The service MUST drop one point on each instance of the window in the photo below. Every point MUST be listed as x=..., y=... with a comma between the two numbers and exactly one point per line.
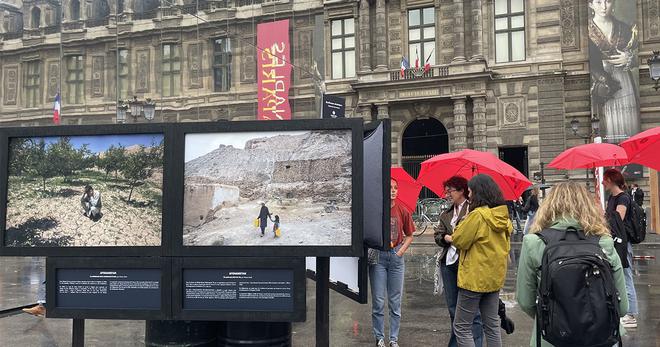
x=75, y=10
x=171, y=70
x=421, y=36
x=36, y=17
x=32, y=84
x=509, y=30
x=221, y=65
x=122, y=74
x=75, y=79
x=343, y=48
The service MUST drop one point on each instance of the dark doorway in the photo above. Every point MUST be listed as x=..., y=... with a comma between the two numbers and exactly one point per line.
x=422, y=139
x=516, y=157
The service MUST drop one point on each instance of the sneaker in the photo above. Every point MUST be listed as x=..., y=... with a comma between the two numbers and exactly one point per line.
x=394, y=344
x=39, y=310
x=629, y=321
x=380, y=343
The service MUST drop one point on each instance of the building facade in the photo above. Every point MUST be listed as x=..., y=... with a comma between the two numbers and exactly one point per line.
x=507, y=76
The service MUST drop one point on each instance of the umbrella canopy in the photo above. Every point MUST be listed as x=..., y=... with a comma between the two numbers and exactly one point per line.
x=590, y=156
x=408, y=188
x=644, y=148
x=469, y=163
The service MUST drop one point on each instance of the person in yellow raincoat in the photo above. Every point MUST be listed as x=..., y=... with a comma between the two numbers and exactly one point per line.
x=482, y=238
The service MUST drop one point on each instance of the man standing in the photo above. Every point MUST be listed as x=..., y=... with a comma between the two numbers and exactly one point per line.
x=91, y=203
x=386, y=271
x=264, y=214
x=637, y=194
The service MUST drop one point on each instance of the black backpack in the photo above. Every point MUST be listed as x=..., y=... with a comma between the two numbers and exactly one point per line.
x=577, y=301
x=636, y=229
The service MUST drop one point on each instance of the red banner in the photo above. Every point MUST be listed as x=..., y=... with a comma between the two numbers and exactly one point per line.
x=274, y=70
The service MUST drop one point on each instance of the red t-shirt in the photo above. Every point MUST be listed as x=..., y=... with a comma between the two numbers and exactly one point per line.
x=401, y=223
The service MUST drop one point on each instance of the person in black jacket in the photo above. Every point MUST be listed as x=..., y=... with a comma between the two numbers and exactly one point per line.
x=531, y=205
x=264, y=215
x=637, y=194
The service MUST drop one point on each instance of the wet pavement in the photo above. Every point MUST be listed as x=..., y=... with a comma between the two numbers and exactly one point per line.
x=425, y=320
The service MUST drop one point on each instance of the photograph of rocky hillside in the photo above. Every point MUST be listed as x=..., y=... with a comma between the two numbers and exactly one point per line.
x=304, y=178
x=85, y=191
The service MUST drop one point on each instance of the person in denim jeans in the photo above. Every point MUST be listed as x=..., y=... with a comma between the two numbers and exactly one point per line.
x=386, y=271
x=456, y=191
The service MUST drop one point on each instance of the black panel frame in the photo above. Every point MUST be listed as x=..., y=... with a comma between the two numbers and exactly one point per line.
x=355, y=125
x=362, y=295
x=162, y=263
x=90, y=130
x=387, y=164
x=297, y=264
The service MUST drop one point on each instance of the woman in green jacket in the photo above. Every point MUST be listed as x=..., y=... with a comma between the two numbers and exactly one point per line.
x=569, y=204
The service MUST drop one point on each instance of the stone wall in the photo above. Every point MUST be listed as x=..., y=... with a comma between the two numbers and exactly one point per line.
x=202, y=200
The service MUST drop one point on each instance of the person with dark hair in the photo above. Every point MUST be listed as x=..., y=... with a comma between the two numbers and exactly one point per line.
x=263, y=217
x=483, y=241
x=531, y=205
x=617, y=213
x=456, y=191
x=91, y=203
x=387, y=269
x=637, y=194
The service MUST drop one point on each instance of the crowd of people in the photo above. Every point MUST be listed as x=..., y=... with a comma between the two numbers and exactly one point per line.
x=574, y=276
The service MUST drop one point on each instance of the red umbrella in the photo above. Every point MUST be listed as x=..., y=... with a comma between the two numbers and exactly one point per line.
x=469, y=163
x=590, y=156
x=408, y=188
x=644, y=148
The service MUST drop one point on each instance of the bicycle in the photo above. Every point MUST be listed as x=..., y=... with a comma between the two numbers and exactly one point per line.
x=428, y=212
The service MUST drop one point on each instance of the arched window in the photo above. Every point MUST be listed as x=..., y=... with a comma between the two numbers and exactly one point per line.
x=75, y=9
x=36, y=18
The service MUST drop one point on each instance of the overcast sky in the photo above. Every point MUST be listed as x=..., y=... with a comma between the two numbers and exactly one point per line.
x=198, y=145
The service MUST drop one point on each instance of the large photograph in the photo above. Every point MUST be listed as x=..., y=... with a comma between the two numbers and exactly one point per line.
x=614, y=67
x=85, y=191
x=268, y=188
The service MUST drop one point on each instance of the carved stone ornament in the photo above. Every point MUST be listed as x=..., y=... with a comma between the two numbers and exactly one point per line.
x=570, y=31
x=512, y=112
x=422, y=108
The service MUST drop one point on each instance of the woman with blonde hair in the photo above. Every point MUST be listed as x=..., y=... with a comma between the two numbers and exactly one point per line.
x=569, y=205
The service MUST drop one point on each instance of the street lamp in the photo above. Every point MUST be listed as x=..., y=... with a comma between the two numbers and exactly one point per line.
x=149, y=109
x=595, y=131
x=121, y=111
x=654, y=69
x=137, y=107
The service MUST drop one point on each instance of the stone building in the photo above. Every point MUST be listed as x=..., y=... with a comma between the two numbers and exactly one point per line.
x=506, y=76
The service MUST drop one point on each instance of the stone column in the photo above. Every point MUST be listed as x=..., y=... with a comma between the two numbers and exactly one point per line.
x=2, y=22
x=460, y=124
x=365, y=37
x=477, y=31
x=381, y=36
x=383, y=111
x=479, y=121
x=363, y=111
x=459, y=32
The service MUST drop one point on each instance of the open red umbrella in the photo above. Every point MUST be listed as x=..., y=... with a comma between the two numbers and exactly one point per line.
x=644, y=148
x=589, y=156
x=408, y=188
x=469, y=163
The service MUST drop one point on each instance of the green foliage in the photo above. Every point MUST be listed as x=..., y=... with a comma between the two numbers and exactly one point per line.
x=140, y=165
x=112, y=160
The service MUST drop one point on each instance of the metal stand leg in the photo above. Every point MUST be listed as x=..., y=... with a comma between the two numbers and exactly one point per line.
x=322, y=302
x=78, y=334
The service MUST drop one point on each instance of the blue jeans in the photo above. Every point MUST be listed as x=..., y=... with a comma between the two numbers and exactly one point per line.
x=630, y=285
x=529, y=222
x=386, y=275
x=450, y=281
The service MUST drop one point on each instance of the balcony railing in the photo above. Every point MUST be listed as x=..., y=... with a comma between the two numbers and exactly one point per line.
x=77, y=25
x=151, y=14
x=416, y=74
x=13, y=35
x=97, y=22
x=169, y=12
x=193, y=8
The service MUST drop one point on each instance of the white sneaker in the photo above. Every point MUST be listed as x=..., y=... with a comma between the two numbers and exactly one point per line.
x=380, y=343
x=394, y=344
x=629, y=321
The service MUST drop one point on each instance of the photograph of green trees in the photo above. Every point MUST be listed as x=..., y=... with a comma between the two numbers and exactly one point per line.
x=85, y=191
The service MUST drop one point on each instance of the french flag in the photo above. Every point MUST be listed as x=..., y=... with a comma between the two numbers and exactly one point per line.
x=56, y=109
x=404, y=65
x=427, y=65
x=416, y=59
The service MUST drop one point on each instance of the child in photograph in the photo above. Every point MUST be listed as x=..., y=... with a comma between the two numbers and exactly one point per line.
x=276, y=225
x=91, y=203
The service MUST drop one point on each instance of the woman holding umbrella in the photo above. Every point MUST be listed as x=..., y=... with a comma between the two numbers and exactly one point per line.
x=483, y=241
